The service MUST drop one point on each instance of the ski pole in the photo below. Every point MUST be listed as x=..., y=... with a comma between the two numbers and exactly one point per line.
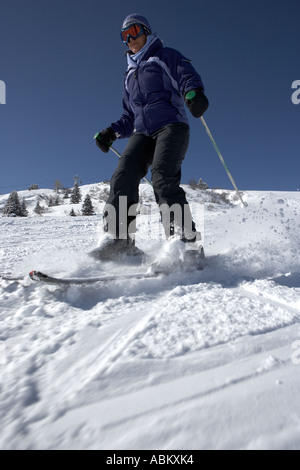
x=190, y=95
x=119, y=155
x=222, y=160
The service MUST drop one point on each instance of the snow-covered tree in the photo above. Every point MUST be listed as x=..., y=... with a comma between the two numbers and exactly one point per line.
x=58, y=186
x=67, y=193
x=33, y=187
x=87, y=207
x=13, y=206
x=24, y=208
x=76, y=194
x=202, y=185
x=54, y=201
x=193, y=183
x=39, y=210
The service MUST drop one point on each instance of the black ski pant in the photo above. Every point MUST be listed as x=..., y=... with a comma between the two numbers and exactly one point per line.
x=163, y=151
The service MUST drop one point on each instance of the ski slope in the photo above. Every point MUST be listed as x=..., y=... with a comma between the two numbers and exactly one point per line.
x=199, y=360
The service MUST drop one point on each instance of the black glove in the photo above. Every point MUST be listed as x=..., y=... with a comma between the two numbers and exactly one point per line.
x=105, y=139
x=197, y=102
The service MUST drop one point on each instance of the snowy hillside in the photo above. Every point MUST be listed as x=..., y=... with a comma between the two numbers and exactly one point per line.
x=199, y=360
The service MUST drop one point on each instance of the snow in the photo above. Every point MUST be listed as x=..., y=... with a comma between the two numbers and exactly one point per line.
x=196, y=360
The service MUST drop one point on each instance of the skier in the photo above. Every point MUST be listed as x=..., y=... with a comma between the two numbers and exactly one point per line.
x=156, y=85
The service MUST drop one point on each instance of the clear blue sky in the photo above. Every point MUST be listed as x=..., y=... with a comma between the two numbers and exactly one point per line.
x=63, y=64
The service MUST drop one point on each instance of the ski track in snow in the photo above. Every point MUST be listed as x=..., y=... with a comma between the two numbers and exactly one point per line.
x=193, y=360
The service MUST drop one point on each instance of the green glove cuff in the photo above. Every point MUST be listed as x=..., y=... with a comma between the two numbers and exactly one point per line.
x=190, y=95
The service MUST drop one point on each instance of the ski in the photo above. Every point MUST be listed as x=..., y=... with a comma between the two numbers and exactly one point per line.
x=156, y=270
x=45, y=278
x=5, y=277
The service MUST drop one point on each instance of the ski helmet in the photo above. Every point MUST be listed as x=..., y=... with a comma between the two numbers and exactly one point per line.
x=136, y=18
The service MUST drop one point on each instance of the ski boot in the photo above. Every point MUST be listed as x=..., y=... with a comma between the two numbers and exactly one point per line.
x=115, y=249
x=194, y=255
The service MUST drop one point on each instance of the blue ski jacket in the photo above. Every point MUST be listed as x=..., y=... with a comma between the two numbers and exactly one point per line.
x=155, y=84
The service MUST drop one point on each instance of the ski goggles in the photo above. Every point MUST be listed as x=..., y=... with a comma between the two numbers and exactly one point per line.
x=134, y=31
